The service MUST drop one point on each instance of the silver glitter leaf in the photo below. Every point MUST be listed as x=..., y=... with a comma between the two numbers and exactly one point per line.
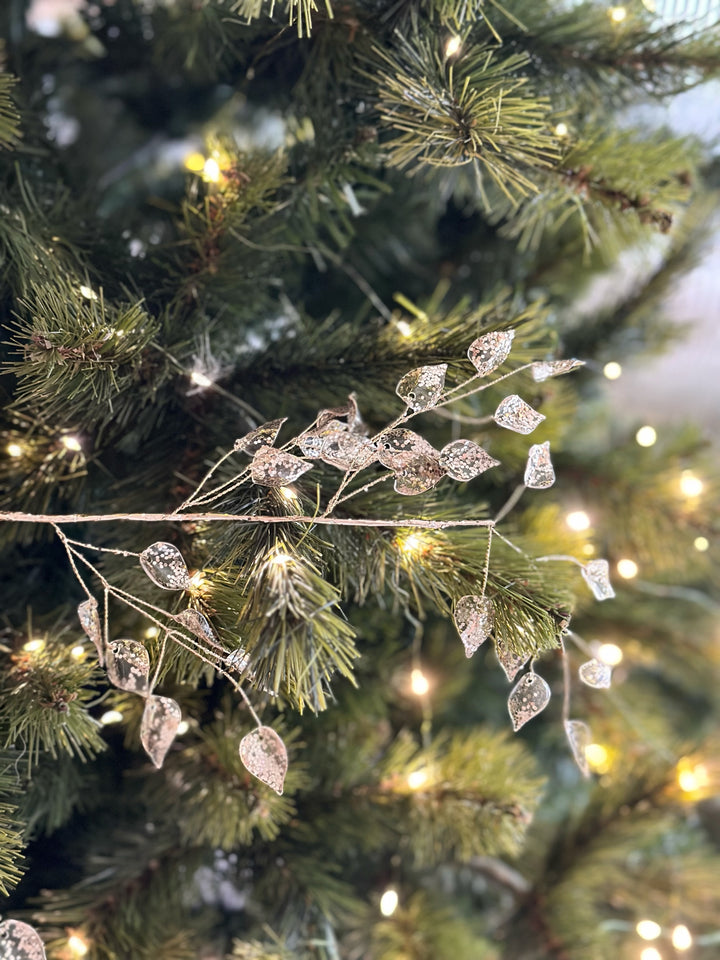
x=544, y=369
x=264, y=755
x=90, y=622
x=349, y=411
x=416, y=473
x=596, y=575
x=238, y=659
x=164, y=564
x=160, y=721
x=274, y=468
x=596, y=674
x=489, y=351
x=392, y=444
x=347, y=451
x=20, y=941
x=474, y=618
x=539, y=471
x=579, y=737
x=514, y=414
x=527, y=699
x=128, y=666
x=198, y=624
x=510, y=661
x=464, y=460
x=422, y=387
x=264, y=435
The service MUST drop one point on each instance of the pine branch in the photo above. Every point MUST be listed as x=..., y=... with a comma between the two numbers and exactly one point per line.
x=9, y=116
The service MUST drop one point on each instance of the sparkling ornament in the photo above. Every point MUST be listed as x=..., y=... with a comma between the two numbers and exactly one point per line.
x=544, y=369
x=20, y=941
x=422, y=388
x=90, y=622
x=263, y=753
x=489, y=351
x=160, y=721
x=539, y=472
x=596, y=674
x=347, y=451
x=474, y=618
x=464, y=460
x=527, y=699
x=416, y=474
x=350, y=411
x=579, y=736
x=128, y=666
x=264, y=435
x=163, y=563
x=198, y=624
x=511, y=662
x=273, y=468
x=514, y=414
x=392, y=444
x=596, y=575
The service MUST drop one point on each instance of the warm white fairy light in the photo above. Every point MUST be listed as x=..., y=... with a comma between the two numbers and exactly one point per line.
x=609, y=653
x=618, y=14
x=288, y=494
x=648, y=929
x=681, y=937
x=646, y=436
x=71, y=442
x=211, y=170
x=561, y=130
x=650, y=953
x=413, y=544
x=389, y=902
x=88, y=293
x=701, y=543
x=198, y=584
x=279, y=559
x=612, y=370
x=14, y=450
x=200, y=379
x=452, y=46
x=578, y=520
x=627, y=568
x=690, y=485
x=183, y=727
x=417, y=779
x=404, y=328
x=153, y=632
x=588, y=549
x=692, y=777
x=111, y=716
x=78, y=652
x=598, y=757
x=194, y=162
x=77, y=946
x=33, y=646
x=419, y=683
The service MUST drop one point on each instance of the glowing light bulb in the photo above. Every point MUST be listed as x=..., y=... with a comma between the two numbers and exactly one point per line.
x=404, y=328
x=650, y=953
x=690, y=485
x=14, y=450
x=287, y=493
x=111, y=716
x=183, y=727
x=279, y=559
x=588, y=549
x=195, y=162
x=417, y=779
x=610, y=654
x=648, y=929
x=78, y=652
x=452, y=46
x=413, y=544
x=701, y=543
x=618, y=14
x=71, y=443
x=692, y=777
x=77, y=946
x=561, y=130
x=153, y=632
x=198, y=583
x=419, y=683
x=33, y=646
x=646, y=436
x=578, y=520
x=627, y=568
x=88, y=293
x=200, y=379
x=612, y=370
x=597, y=757
x=389, y=902
x=211, y=170
x=681, y=937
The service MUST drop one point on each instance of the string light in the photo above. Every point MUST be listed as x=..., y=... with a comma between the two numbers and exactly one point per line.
x=610, y=654
x=195, y=162
x=419, y=683
x=152, y=632
x=279, y=559
x=33, y=646
x=389, y=902
x=198, y=584
x=200, y=379
x=77, y=946
x=650, y=953
x=88, y=293
x=14, y=450
x=598, y=757
x=701, y=543
x=578, y=520
x=561, y=130
x=211, y=170
x=404, y=328
x=681, y=937
x=452, y=46
x=627, y=568
x=417, y=779
x=646, y=436
x=288, y=494
x=71, y=443
x=612, y=370
x=690, y=485
x=78, y=652
x=692, y=777
x=648, y=929
x=183, y=727
x=588, y=549
x=111, y=716
x=413, y=544
x=618, y=14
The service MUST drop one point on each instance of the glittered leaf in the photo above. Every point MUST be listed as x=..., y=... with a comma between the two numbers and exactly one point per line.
x=90, y=622
x=263, y=753
x=579, y=737
x=128, y=666
x=416, y=473
x=422, y=387
x=514, y=414
x=544, y=369
x=393, y=443
x=349, y=411
x=527, y=699
x=347, y=451
x=596, y=575
x=596, y=674
x=489, y=351
x=464, y=460
x=274, y=468
x=539, y=472
x=163, y=563
x=238, y=659
x=474, y=618
x=160, y=721
x=20, y=941
x=510, y=661
x=264, y=435
x=198, y=624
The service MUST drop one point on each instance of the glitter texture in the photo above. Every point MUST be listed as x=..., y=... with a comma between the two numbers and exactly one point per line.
x=264, y=755
x=422, y=388
x=489, y=351
x=474, y=618
x=596, y=674
x=510, y=662
x=90, y=622
x=347, y=451
x=596, y=575
x=514, y=414
x=20, y=941
x=544, y=369
x=163, y=563
x=579, y=736
x=198, y=624
x=464, y=460
x=128, y=666
x=527, y=699
x=539, y=472
x=160, y=721
x=264, y=435
x=273, y=468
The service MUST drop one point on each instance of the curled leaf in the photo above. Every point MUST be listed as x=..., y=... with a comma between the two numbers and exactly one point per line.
x=198, y=624
x=514, y=414
x=160, y=721
x=579, y=737
x=539, y=472
x=90, y=622
x=264, y=435
x=596, y=575
x=128, y=666
x=544, y=369
x=596, y=674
